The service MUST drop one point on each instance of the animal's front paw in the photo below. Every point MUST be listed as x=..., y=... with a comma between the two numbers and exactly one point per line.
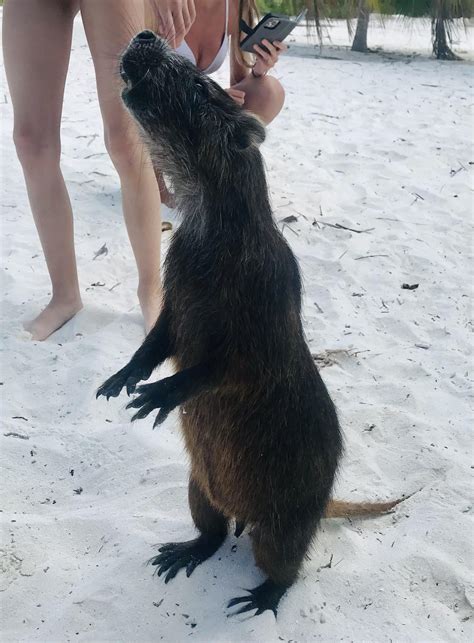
x=127, y=377
x=159, y=395
x=264, y=597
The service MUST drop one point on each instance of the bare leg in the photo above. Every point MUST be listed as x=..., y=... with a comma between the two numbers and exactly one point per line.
x=109, y=26
x=263, y=96
x=36, y=43
x=213, y=531
x=166, y=197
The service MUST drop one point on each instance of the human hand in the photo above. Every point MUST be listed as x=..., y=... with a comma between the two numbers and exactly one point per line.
x=173, y=19
x=265, y=61
x=237, y=94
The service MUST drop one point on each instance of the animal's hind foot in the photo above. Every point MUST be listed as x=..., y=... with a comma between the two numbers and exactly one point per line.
x=264, y=597
x=127, y=377
x=189, y=554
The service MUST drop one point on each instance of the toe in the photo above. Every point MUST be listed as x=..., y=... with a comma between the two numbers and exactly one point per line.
x=191, y=567
x=174, y=569
x=246, y=608
x=239, y=599
x=170, y=546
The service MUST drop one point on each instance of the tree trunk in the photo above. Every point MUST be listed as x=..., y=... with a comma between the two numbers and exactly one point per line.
x=360, y=39
x=441, y=49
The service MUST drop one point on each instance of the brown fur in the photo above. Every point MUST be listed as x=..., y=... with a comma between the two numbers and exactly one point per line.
x=259, y=424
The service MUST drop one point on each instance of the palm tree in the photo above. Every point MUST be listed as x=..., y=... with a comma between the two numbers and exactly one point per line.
x=443, y=13
x=363, y=16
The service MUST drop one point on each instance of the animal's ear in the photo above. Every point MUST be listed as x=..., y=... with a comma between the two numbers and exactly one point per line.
x=249, y=131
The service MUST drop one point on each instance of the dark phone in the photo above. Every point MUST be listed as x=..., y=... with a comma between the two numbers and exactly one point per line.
x=272, y=27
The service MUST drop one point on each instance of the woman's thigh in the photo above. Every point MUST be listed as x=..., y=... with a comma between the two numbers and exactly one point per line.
x=37, y=44
x=109, y=26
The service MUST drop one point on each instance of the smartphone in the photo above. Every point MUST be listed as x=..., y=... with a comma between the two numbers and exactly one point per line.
x=272, y=27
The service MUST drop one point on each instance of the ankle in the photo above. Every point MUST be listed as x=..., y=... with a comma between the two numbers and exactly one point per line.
x=66, y=299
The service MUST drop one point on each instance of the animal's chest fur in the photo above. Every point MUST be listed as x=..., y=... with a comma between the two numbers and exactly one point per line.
x=221, y=461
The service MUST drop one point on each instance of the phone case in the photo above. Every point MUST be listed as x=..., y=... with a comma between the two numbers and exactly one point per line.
x=266, y=29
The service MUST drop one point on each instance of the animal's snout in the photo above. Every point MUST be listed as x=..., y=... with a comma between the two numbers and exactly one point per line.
x=145, y=37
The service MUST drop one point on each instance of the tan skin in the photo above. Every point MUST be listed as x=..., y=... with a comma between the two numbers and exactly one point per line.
x=37, y=43
x=264, y=96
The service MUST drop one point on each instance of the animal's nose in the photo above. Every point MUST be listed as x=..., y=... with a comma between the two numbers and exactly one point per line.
x=146, y=36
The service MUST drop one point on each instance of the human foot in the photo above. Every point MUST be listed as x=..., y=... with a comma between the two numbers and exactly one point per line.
x=150, y=303
x=55, y=315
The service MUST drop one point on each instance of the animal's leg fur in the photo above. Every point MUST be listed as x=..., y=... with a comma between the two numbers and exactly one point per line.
x=213, y=527
x=279, y=552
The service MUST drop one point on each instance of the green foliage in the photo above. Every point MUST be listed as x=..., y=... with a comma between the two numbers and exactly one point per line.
x=347, y=9
x=286, y=7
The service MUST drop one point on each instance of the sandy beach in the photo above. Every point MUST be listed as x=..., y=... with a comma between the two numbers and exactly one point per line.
x=370, y=167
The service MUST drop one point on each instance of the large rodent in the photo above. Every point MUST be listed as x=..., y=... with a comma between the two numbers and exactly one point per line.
x=259, y=425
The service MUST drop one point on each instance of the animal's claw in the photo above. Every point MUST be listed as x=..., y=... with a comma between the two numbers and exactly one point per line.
x=127, y=377
x=188, y=555
x=264, y=597
x=152, y=396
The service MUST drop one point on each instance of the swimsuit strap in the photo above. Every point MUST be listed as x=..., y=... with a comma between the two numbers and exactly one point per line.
x=226, y=17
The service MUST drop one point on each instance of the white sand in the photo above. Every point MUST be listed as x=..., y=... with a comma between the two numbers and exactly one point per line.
x=371, y=142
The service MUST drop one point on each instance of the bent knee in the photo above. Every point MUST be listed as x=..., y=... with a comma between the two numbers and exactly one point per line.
x=35, y=148
x=274, y=90
x=269, y=99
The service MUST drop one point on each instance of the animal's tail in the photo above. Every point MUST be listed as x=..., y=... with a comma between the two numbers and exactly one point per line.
x=342, y=509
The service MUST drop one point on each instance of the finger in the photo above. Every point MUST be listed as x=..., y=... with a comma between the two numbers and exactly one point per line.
x=238, y=98
x=261, y=53
x=270, y=47
x=189, y=14
x=179, y=29
x=186, y=20
x=167, y=30
x=273, y=53
x=280, y=46
x=192, y=10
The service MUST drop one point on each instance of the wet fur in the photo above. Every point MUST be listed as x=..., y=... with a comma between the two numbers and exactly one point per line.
x=259, y=425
